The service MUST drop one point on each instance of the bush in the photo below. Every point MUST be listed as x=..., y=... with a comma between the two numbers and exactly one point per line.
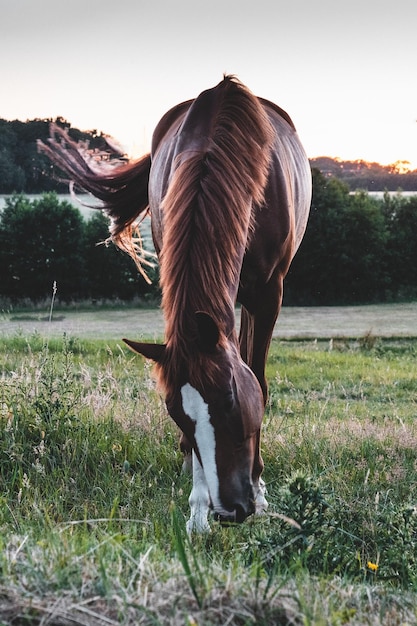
x=356, y=249
x=47, y=240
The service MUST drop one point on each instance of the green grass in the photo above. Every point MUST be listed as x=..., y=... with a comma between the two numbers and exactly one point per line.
x=93, y=502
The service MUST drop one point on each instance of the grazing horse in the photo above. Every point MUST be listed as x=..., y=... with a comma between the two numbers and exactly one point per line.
x=228, y=187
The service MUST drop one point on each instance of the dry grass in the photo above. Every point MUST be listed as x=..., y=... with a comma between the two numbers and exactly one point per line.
x=296, y=603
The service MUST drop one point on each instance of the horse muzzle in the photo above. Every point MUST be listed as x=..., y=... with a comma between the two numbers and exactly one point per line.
x=237, y=514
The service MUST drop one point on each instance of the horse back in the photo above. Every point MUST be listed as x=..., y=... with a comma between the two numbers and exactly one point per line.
x=280, y=223
x=290, y=178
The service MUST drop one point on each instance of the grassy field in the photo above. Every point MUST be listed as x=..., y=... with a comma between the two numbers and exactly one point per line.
x=93, y=502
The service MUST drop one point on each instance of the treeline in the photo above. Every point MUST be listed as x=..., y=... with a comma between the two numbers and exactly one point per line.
x=23, y=169
x=356, y=249
x=360, y=174
x=46, y=240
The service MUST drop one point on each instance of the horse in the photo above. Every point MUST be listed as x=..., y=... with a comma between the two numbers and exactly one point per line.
x=227, y=184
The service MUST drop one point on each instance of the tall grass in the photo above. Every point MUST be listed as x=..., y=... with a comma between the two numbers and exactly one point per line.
x=93, y=502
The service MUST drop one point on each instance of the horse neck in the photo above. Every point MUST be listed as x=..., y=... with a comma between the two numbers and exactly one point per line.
x=219, y=172
x=203, y=288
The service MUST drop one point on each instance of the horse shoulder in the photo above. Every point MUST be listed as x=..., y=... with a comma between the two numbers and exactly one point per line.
x=167, y=122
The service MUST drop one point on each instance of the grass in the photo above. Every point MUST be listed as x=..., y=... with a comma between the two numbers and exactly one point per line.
x=93, y=502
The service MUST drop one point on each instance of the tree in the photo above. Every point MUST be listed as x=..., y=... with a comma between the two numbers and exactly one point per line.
x=23, y=168
x=341, y=259
x=12, y=176
x=312, y=276
x=401, y=217
x=45, y=240
x=364, y=249
x=41, y=242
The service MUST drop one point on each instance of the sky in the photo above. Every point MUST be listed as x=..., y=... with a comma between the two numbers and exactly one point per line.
x=346, y=72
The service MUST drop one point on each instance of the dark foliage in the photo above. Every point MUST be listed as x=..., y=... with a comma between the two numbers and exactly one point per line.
x=23, y=169
x=47, y=240
x=356, y=249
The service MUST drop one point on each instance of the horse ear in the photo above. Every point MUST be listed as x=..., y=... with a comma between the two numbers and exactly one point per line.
x=208, y=333
x=154, y=351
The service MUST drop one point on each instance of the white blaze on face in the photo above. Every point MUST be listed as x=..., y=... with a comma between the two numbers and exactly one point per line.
x=197, y=410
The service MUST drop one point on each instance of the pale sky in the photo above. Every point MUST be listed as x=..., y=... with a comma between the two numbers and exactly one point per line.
x=346, y=72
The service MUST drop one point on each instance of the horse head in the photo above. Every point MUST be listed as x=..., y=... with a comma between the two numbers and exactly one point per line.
x=217, y=402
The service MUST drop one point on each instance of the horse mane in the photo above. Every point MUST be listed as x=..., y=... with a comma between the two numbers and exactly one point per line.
x=208, y=210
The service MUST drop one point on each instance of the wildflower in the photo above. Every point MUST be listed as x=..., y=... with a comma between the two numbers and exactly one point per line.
x=372, y=566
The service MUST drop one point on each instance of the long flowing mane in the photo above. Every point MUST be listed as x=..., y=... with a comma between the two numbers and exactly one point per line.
x=208, y=210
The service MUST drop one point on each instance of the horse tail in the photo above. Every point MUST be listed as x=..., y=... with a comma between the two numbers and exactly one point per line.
x=122, y=189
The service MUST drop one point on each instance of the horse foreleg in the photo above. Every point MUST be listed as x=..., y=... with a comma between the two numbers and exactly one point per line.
x=199, y=500
x=254, y=339
x=259, y=488
x=255, y=336
x=257, y=326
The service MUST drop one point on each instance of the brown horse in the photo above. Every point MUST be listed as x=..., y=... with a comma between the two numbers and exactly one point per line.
x=228, y=186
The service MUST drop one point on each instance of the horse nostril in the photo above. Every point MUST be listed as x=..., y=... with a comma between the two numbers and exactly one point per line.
x=240, y=513
x=252, y=507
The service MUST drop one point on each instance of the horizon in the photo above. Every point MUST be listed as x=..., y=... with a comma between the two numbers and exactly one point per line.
x=405, y=169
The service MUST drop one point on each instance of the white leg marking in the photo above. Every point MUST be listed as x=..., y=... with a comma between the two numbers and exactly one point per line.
x=260, y=501
x=199, y=500
x=195, y=407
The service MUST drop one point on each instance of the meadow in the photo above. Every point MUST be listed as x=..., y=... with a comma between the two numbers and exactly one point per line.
x=93, y=502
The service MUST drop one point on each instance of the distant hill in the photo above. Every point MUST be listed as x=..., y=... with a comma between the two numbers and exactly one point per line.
x=368, y=176
x=23, y=169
